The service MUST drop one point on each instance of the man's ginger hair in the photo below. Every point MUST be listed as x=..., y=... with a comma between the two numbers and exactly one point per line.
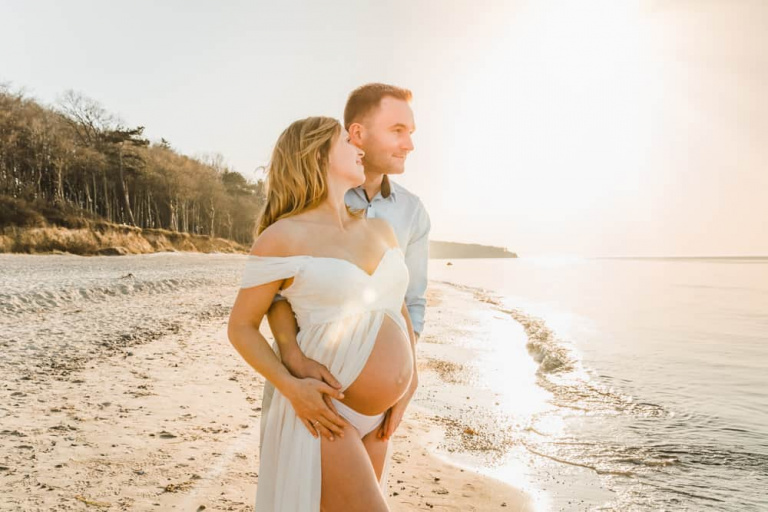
x=366, y=98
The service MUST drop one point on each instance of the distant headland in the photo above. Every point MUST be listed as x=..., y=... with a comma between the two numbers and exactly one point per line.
x=456, y=250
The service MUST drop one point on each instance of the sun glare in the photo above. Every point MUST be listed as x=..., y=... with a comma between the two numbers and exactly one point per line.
x=589, y=62
x=567, y=102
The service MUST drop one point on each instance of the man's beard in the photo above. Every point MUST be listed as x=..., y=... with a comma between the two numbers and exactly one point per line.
x=381, y=169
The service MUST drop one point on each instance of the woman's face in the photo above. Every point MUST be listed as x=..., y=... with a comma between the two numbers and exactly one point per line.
x=345, y=161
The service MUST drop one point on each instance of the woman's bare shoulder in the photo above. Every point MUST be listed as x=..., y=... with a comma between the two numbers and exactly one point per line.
x=279, y=239
x=384, y=230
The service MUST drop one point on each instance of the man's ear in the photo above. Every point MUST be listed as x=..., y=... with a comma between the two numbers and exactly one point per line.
x=356, y=134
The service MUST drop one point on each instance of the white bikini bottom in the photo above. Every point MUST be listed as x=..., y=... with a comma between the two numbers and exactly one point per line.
x=363, y=423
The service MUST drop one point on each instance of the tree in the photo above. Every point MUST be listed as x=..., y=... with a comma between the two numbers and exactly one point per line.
x=78, y=160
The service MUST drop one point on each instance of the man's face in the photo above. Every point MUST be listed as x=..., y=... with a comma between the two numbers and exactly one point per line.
x=386, y=136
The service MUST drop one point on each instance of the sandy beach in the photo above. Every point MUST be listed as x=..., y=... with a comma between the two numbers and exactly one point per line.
x=172, y=424
x=120, y=391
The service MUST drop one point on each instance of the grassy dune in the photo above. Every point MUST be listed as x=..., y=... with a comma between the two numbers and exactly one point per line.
x=108, y=238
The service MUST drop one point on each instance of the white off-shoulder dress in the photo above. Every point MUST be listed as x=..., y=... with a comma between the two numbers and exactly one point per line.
x=339, y=308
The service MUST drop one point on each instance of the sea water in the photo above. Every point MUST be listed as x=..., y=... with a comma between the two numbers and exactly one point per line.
x=656, y=373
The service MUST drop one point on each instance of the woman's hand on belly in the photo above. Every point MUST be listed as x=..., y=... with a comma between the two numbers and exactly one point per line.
x=309, y=400
x=395, y=413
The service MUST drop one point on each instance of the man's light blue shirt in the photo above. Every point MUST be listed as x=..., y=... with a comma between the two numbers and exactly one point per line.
x=409, y=219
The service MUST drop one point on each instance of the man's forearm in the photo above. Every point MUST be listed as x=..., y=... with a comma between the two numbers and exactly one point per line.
x=284, y=328
x=416, y=310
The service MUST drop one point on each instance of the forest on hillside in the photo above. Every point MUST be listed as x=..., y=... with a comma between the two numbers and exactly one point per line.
x=74, y=162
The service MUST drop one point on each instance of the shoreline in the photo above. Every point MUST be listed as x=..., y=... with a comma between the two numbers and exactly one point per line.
x=173, y=424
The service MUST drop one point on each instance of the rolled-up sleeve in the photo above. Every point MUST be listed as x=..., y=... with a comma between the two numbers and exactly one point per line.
x=416, y=258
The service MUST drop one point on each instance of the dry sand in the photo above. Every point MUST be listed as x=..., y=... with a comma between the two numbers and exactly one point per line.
x=173, y=425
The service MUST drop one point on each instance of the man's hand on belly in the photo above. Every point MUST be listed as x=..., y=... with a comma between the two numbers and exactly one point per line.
x=302, y=367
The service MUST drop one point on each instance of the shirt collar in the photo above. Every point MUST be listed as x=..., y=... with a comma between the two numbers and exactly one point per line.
x=360, y=191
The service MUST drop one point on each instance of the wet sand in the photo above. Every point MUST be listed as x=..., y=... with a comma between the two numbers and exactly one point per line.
x=173, y=424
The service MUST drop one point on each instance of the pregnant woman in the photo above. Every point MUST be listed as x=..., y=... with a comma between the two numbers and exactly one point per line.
x=345, y=279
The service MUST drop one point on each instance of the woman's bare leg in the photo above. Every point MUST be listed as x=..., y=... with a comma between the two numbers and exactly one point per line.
x=377, y=451
x=349, y=483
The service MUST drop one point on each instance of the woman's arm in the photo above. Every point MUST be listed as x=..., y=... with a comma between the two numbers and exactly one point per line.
x=411, y=332
x=243, y=331
x=414, y=338
x=305, y=395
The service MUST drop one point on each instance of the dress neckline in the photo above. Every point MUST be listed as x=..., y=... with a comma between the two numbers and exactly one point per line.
x=355, y=265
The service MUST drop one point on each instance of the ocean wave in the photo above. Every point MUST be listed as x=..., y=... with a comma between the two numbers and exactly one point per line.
x=543, y=345
x=560, y=370
x=655, y=456
x=552, y=355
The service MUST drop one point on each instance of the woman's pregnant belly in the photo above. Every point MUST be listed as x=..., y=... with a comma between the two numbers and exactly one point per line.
x=387, y=373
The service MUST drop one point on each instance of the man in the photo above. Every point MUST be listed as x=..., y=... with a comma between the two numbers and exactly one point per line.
x=379, y=120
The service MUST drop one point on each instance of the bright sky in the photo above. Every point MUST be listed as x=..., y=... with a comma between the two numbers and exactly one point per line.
x=592, y=127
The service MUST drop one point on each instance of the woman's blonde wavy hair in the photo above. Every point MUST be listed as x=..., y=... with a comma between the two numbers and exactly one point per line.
x=297, y=175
